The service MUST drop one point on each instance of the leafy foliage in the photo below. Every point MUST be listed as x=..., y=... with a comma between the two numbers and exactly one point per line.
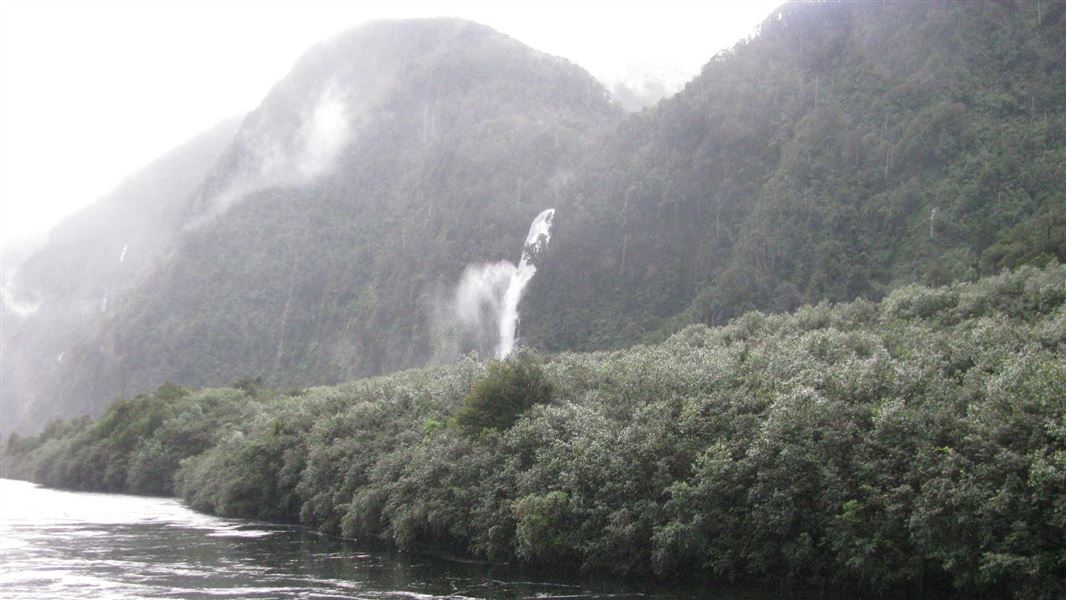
x=135, y=447
x=911, y=446
x=508, y=389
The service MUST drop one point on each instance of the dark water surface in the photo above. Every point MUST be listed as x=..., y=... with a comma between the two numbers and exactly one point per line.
x=58, y=544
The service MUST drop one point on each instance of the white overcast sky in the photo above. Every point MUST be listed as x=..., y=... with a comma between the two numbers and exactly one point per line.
x=90, y=90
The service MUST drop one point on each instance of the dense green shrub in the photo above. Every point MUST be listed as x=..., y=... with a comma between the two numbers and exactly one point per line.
x=544, y=526
x=909, y=447
x=508, y=389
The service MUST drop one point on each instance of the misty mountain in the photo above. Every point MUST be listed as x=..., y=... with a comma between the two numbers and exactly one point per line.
x=844, y=150
x=326, y=241
x=642, y=86
x=55, y=298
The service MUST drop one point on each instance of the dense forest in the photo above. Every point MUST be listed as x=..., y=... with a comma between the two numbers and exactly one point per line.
x=915, y=445
x=844, y=150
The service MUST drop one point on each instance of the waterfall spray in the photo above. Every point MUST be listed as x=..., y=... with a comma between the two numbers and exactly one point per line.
x=479, y=301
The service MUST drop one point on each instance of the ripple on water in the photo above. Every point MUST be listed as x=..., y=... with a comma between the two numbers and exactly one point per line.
x=61, y=545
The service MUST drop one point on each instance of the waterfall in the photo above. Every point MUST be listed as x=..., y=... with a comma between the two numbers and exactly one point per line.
x=490, y=293
x=536, y=240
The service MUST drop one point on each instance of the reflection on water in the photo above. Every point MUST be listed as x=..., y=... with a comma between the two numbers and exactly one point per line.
x=58, y=544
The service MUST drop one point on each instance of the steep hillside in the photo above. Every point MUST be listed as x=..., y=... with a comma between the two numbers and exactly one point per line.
x=56, y=296
x=328, y=240
x=846, y=149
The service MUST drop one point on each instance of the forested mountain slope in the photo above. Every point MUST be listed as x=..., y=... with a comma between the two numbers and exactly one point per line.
x=327, y=241
x=57, y=296
x=844, y=150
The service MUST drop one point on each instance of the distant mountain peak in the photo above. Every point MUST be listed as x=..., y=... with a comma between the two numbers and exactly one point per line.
x=372, y=70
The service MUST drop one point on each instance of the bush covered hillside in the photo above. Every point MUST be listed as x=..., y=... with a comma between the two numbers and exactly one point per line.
x=915, y=444
x=845, y=150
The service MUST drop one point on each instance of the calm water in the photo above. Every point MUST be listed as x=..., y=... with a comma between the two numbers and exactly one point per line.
x=58, y=544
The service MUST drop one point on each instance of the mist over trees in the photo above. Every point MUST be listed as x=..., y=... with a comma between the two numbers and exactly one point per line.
x=63, y=294
x=844, y=150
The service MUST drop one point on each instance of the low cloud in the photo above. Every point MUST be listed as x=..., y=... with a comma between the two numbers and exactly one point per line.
x=19, y=307
x=279, y=157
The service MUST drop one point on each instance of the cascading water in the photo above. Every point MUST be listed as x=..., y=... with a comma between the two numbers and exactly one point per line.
x=538, y=238
x=492, y=291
